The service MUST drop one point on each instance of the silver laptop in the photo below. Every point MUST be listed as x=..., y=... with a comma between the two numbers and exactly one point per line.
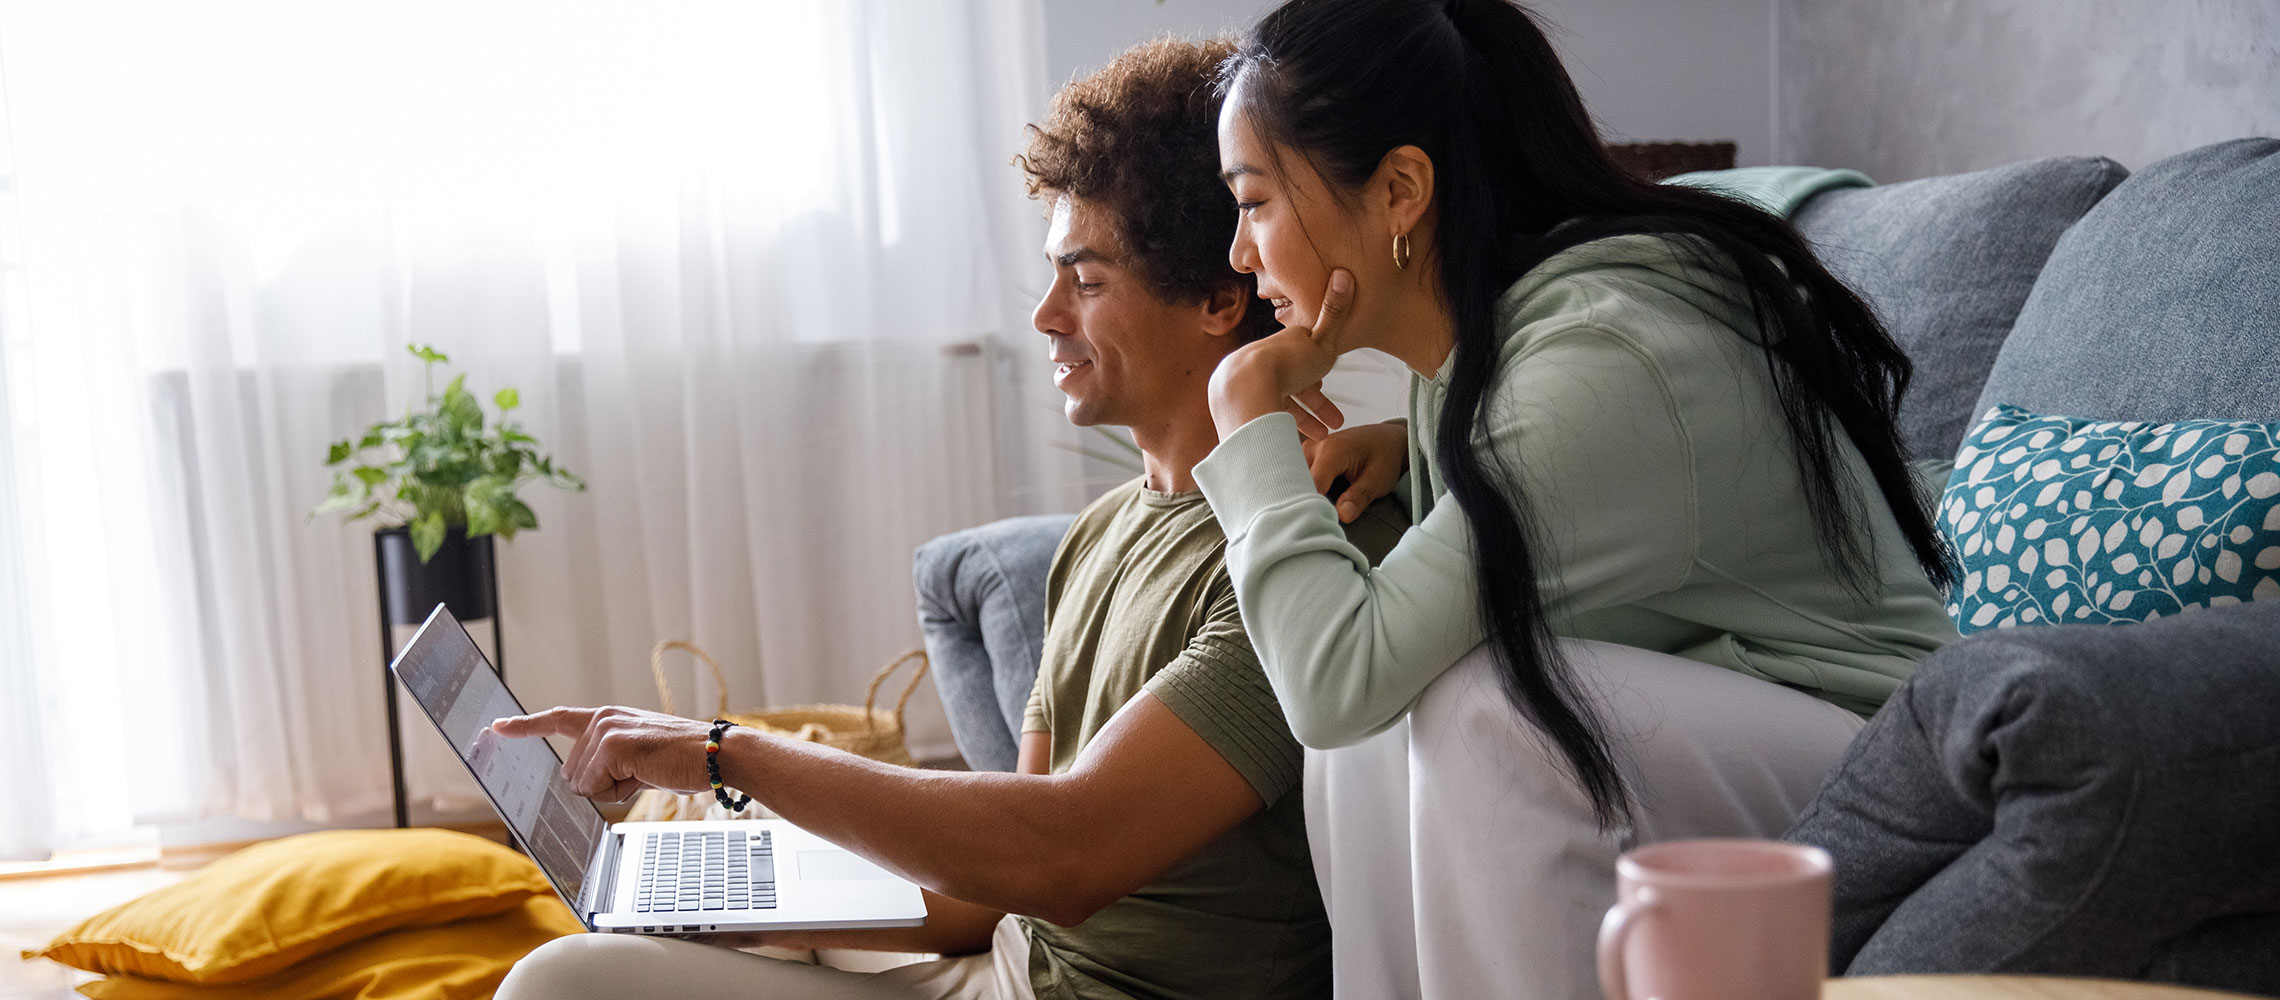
x=644, y=878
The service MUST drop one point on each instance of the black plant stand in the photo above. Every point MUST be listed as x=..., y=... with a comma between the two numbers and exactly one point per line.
x=461, y=576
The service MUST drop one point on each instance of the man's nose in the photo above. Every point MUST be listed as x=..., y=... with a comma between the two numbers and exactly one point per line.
x=1047, y=317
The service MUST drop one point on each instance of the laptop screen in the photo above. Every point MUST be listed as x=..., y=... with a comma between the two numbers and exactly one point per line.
x=456, y=685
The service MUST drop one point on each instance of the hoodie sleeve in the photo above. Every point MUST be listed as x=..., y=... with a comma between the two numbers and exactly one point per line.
x=1587, y=421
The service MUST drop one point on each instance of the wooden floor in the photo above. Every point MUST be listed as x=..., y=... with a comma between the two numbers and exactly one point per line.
x=34, y=910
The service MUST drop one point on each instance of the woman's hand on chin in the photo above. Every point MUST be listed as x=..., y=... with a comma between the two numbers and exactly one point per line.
x=620, y=751
x=1284, y=371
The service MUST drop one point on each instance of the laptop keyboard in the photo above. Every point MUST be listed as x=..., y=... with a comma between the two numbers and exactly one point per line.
x=706, y=870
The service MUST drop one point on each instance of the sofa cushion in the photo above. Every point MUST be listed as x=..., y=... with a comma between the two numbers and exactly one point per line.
x=2163, y=303
x=2063, y=519
x=1946, y=262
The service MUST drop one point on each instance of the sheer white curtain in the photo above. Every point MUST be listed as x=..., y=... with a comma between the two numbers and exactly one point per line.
x=758, y=271
x=28, y=834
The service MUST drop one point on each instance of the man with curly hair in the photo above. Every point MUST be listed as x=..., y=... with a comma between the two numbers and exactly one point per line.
x=1150, y=842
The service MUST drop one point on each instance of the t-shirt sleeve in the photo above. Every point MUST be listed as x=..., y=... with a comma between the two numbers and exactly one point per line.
x=1216, y=686
x=1033, y=718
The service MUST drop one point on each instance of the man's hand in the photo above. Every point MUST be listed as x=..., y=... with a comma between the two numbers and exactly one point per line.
x=620, y=751
x=1370, y=458
x=1284, y=371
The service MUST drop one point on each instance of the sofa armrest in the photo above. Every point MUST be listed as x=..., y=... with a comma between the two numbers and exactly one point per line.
x=2082, y=800
x=981, y=606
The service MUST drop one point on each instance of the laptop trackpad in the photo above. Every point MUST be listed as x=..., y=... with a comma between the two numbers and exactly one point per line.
x=837, y=866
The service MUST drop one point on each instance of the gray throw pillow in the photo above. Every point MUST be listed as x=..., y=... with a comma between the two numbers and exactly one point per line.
x=2163, y=303
x=1946, y=262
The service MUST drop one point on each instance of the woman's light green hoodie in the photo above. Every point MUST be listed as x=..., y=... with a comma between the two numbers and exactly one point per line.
x=1637, y=411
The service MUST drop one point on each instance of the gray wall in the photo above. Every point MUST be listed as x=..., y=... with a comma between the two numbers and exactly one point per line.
x=1648, y=69
x=1912, y=88
x=1083, y=35
x=1655, y=70
x=1898, y=88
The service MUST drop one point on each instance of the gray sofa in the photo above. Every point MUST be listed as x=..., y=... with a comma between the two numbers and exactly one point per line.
x=2065, y=286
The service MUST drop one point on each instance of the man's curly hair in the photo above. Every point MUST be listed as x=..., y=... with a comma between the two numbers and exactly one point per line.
x=1139, y=139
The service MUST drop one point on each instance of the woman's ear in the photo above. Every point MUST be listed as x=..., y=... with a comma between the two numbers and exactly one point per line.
x=1224, y=309
x=1404, y=181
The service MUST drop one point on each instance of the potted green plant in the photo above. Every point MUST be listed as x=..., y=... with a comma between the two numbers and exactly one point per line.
x=442, y=478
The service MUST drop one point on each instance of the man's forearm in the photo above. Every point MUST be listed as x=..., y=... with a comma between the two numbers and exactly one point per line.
x=1145, y=794
x=986, y=837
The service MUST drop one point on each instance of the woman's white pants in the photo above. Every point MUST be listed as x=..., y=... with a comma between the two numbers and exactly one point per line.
x=1458, y=859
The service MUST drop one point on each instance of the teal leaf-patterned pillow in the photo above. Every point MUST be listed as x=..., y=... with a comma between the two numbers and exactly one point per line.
x=2065, y=519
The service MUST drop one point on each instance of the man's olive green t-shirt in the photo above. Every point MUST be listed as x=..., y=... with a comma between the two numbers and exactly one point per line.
x=1138, y=599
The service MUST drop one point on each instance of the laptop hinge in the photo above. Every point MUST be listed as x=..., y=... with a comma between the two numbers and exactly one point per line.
x=601, y=881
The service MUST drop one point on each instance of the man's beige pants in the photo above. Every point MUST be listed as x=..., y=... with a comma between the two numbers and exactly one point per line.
x=598, y=966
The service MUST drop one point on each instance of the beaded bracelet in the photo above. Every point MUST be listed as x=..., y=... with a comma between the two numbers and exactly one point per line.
x=712, y=768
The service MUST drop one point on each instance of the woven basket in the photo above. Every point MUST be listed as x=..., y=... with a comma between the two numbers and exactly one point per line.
x=858, y=729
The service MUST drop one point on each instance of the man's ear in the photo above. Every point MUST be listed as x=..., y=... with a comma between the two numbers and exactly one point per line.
x=1404, y=180
x=1224, y=309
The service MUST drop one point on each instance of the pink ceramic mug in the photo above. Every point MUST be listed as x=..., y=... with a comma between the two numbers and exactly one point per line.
x=1717, y=920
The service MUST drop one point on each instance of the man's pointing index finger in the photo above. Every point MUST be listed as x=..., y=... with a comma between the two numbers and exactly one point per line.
x=552, y=722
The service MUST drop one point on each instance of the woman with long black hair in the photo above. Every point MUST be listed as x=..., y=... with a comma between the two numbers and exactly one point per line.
x=1647, y=432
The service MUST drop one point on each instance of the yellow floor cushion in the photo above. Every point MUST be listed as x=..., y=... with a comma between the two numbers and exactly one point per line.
x=270, y=906
x=456, y=961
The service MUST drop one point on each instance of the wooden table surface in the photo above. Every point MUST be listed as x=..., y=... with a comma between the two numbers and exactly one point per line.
x=2004, y=988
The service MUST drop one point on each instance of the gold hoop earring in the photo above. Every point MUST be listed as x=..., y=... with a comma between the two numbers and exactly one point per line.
x=1401, y=251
